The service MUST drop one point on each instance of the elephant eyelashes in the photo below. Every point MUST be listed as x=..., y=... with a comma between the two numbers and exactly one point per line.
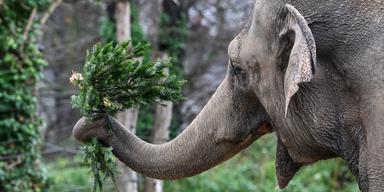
x=237, y=70
x=239, y=73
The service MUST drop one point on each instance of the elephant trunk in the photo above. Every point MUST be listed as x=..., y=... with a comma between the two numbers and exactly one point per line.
x=210, y=139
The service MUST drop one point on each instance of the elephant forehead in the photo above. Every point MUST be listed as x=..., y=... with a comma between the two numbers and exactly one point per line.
x=234, y=49
x=261, y=14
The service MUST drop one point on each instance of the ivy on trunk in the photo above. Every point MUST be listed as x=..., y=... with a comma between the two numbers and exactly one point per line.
x=20, y=68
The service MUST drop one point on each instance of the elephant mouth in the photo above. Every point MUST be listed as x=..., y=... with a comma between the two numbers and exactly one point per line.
x=263, y=129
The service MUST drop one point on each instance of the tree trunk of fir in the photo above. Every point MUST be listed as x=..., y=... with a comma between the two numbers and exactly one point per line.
x=127, y=180
x=160, y=134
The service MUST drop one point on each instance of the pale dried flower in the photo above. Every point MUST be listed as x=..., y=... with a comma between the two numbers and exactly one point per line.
x=107, y=102
x=76, y=78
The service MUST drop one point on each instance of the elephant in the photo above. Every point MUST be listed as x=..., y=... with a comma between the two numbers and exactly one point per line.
x=311, y=71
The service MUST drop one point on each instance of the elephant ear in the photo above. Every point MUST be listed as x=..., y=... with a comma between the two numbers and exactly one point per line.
x=286, y=168
x=302, y=59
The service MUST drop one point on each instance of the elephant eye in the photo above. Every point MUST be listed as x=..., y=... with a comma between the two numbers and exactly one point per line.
x=238, y=72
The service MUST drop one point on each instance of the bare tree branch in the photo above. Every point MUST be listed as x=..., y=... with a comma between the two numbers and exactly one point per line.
x=29, y=24
x=51, y=9
x=176, y=2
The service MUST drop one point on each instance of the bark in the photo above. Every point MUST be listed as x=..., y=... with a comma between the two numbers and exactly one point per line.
x=127, y=180
x=123, y=20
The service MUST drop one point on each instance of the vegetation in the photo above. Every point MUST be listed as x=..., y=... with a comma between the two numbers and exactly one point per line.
x=102, y=163
x=108, y=30
x=69, y=175
x=172, y=38
x=113, y=80
x=108, y=33
x=20, y=67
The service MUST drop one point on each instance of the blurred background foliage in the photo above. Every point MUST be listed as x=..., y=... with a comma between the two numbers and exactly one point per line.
x=21, y=64
x=194, y=33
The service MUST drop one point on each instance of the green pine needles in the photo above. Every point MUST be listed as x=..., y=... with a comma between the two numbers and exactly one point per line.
x=102, y=163
x=113, y=80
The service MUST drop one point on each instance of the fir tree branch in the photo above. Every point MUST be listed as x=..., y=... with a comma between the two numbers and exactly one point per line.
x=113, y=80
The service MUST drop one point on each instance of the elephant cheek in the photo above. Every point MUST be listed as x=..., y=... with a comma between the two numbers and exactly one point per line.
x=285, y=167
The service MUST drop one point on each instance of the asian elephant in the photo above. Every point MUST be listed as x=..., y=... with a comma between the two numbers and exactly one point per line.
x=312, y=71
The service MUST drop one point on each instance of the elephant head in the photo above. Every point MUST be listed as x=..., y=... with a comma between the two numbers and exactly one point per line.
x=307, y=99
x=270, y=85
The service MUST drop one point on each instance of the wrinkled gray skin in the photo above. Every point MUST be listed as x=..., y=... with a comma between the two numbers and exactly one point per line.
x=312, y=71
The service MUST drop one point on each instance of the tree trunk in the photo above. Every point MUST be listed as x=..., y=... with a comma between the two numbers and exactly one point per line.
x=127, y=180
x=160, y=134
x=123, y=20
